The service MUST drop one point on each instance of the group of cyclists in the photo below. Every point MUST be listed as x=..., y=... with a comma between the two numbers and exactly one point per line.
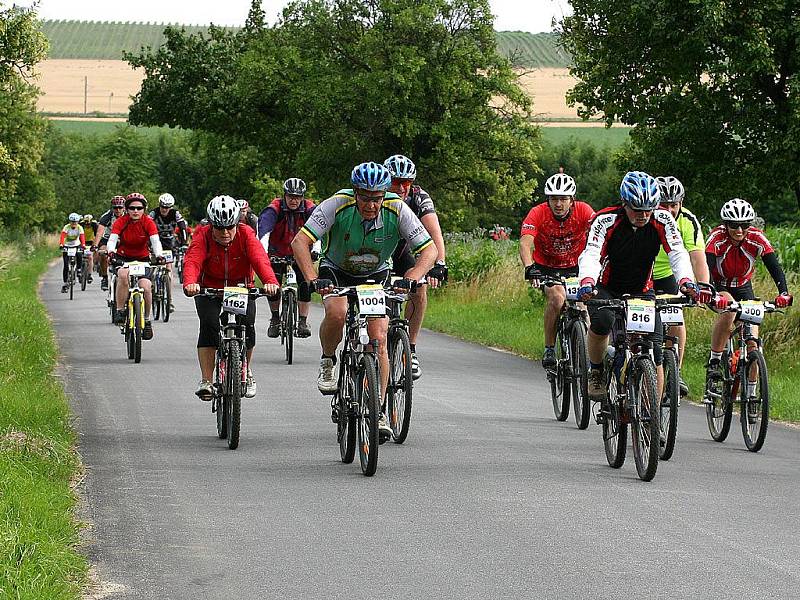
x=386, y=225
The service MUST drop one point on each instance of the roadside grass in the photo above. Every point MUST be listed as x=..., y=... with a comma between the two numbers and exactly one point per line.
x=38, y=531
x=496, y=308
x=599, y=136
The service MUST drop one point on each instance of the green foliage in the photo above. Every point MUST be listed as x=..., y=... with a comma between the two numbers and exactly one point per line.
x=470, y=255
x=786, y=241
x=532, y=49
x=710, y=86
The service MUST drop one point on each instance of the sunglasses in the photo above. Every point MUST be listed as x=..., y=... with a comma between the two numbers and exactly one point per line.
x=136, y=208
x=734, y=225
x=225, y=228
x=640, y=211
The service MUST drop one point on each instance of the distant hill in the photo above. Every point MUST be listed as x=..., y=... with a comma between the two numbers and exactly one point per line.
x=103, y=40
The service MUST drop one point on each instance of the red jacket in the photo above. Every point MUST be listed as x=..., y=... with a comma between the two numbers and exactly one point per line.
x=213, y=265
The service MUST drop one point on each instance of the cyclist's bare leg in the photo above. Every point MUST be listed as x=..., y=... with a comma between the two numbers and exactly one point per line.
x=597, y=345
x=103, y=264
x=122, y=288
x=303, y=308
x=206, y=357
x=147, y=286
x=275, y=305
x=377, y=329
x=556, y=296
x=415, y=311
x=722, y=327
x=330, y=330
x=678, y=331
x=660, y=381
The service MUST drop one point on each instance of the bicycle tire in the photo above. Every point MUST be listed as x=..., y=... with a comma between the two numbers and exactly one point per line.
x=720, y=410
x=668, y=412
x=166, y=298
x=368, y=394
x=138, y=325
x=234, y=394
x=645, y=424
x=346, y=419
x=84, y=278
x=291, y=322
x=399, y=393
x=219, y=404
x=156, y=299
x=754, y=415
x=129, y=341
x=559, y=392
x=615, y=432
x=579, y=359
x=71, y=279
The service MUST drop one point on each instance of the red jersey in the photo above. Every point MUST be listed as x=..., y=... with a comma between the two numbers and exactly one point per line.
x=558, y=244
x=134, y=236
x=213, y=265
x=283, y=225
x=734, y=265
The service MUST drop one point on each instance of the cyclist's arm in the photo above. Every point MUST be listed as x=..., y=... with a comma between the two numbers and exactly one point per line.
x=425, y=261
x=101, y=229
x=266, y=223
x=82, y=238
x=711, y=261
x=589, y=261
x=62, y=238
x=420, y=243
x=526, y=250
x=258, y=257
x=113, y=239
x=672, y=242
x=195, y=257
x=301, y=247
x=700, y=266
x=776, y=272
x=434, y=229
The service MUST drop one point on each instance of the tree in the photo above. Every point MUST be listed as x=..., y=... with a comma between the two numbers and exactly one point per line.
x=711, y=86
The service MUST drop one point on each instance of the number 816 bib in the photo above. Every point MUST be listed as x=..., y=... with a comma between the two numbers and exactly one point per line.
x=641, y=316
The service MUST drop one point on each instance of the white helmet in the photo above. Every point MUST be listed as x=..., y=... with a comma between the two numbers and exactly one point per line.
x=560, y=184
x=671, y=189
x=166, y=200
x=74, y=217
x=737, y=210
x=401, y=167
x=223, y=211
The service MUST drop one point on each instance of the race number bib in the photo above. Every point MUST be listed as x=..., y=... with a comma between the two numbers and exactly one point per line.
x=87, y=251
x=371, y=300
x=672, y=315
x=72, y=251
x=137, y=268
x=291, y=278
x=752, y=311
x=168, y=256
x=641, y=316
x=571, y=285
x=234, y=300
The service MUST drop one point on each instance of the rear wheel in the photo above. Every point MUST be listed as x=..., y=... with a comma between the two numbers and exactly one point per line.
x=579, y=360
x=367, y=394
x=755, y=401
x=234, y=394
x=138, y=324
x=166, y=297
x=669, y=405
x=559, y=391
x=615, y=432
x=719, y=407
x=401, y=385
x=84, y=275
x=645, y=425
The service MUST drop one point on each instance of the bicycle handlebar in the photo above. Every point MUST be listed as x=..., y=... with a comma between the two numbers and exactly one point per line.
x=391, y=294
x=214, y=292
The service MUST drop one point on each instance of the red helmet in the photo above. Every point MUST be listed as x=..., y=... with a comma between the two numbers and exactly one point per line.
x=118, y=202
x=135, y=196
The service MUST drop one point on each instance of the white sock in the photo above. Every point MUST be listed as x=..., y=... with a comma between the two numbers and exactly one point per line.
x=751, y=389
x=717, y=355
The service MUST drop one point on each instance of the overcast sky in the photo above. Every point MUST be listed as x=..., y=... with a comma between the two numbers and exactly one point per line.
x=510, y=15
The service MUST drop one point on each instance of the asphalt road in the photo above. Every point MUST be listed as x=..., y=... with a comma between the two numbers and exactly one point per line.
x=490, y=497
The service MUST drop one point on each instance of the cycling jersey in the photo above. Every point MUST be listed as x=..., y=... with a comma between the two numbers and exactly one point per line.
x=106, y=220
x=89, y=231
x=620, y=256
x=167, y=224
x=211, y=264
x=692, y=235
x=72, y=236
x=277, y=225
x=132, y=239
x=419, y=201
x=558, y=244
x=732, y=265
x=361, y=247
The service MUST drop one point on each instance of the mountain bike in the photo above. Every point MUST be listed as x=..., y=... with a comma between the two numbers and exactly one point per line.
x=230, y=363
x=399, y=391
x=162, y=289
x=72, y=265
x=570, y=377
x=85, y=271
x=744, y=379
x=180, y=251
x=133, y=325
x=288, y=314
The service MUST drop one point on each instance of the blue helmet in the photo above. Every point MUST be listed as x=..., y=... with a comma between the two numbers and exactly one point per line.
x=371, y=176
x=639, y=191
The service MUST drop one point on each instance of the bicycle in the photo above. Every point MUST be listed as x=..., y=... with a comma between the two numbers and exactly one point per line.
x=288, y=298
x=180, y=251
x=162, y=289
x=133, y=325
x=399, y=391
x=741, y=368
x=85, y=272
x=230, y=362
x=570, y=377
x=72, y=259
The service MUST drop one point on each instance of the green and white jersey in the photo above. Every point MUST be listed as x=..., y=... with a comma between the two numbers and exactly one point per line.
x=72, y=235
x=360, y=247
x=692, y=234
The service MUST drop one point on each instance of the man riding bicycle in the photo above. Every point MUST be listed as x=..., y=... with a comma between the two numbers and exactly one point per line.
x=168, y=219
x=732, y=251
x=132, y=238
x=72, y=236
x=246, y=215
x=90, y=233
x=360, y=228
x=278, y=224
x=623, y=243
x=223, y=253
x=104, y=231
x=552, y=238
x=404, y=172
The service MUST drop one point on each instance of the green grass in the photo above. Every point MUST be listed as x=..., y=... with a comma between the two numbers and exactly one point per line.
x=599, y=136
x=38, y=532
x=99, y=127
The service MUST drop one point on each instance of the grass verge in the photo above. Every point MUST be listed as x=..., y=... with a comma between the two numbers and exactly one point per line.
x=38, y=531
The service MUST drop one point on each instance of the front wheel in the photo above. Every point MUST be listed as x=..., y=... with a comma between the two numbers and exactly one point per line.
x=579, y=361
x=345, y=417
x=84, y=276
x=719, y=408
x=646, y=424
x=233, y=394
x=754, y=390
x=219, y=404
x=669, y=405
x=288, y=323
x=368, y=394
x=401, y=385
x=166, y=297
x=559, y=388
x=138, y=325
x=615, y=431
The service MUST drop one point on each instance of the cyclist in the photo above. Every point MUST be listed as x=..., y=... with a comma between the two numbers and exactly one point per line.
x=360, y=229
x=223, y=253
x=132, y=238
x=404, y=172
x=732, y=251
x=277, y=226
x=246, y=215
x=169, y=220
x=552, y=237
x=72, y=236
x=90, y=232
x=618, y=259
x=104, y=231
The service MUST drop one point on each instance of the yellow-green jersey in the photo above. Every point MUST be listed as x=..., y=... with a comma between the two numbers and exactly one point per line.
x=692, y=234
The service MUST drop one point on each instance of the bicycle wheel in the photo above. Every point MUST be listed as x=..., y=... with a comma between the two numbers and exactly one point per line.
x=559, y=390
x=368, y=394
x=156, y=298
x=669, y=405
x=219, y=404
x=71, y=279
x=345, y=417
x=719, y=405
x=84, y=277
x=291, y=322
x=233, y=398
x=138, y=324
x=646, y=424
x=401, y=384
x=129, y=341
x=579, y=376
x=755, y=404
x=166, y=297
x=615, y=432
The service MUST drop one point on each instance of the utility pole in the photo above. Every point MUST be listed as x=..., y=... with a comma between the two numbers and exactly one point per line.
x=85, y=94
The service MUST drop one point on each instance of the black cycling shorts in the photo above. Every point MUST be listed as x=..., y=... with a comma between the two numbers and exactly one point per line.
x=303, y=289
x=402, y=260
x=665, y=285
x=743, y=292
x=343, y=278
x=557, y=273
x=209, y=310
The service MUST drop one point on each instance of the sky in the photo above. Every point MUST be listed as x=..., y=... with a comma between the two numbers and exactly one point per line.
x=510, y=15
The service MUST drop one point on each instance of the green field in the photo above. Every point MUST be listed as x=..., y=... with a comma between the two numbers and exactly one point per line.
x=101, y=40
x=99, y=127
x=600, y=136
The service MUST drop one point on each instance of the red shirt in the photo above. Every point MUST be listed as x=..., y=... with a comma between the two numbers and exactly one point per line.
x=211, y=264
x=558, y=244
x=134, y=236
x=734, y=265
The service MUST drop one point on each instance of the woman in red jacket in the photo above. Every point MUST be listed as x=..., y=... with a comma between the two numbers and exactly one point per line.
x=223, y=253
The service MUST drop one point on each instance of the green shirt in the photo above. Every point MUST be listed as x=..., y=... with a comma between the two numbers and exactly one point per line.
x=692, y=234
x=360, y=247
